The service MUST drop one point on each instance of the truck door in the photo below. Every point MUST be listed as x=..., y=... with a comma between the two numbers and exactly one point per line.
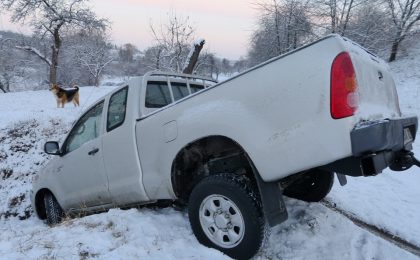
x=120, y=150
x=82, y=178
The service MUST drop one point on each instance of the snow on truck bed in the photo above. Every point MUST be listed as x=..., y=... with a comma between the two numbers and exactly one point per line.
x=390, y=201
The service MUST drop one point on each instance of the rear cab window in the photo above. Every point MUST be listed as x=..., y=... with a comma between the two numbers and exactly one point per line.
x=157, y=94
x=196, y=87
x=164, y=90
x=179, y=90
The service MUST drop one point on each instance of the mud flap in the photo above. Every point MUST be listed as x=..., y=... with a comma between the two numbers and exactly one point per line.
x=342, y=179
x=272, y=201
x=273, y=204
x=416, y=162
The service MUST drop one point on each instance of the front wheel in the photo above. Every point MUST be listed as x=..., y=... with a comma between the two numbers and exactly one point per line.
x=53, y=210
x=225, y=213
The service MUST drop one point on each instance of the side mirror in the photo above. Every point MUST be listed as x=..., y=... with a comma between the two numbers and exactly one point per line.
x=52, y=148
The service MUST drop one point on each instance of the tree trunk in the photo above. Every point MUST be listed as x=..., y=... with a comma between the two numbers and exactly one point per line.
x=2, y=88
x=97, y=80
x=343, y=30
x=193, y=57
x=277, y=29
x=394, y=50
x=333, y=14
x=54, y=59
x=54, y=65
x=158, y=59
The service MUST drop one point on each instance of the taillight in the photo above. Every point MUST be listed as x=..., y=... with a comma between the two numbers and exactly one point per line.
x=344, y=98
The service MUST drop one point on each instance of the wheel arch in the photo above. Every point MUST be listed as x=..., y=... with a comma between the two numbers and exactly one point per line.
x=220, y=154
x=194, y=156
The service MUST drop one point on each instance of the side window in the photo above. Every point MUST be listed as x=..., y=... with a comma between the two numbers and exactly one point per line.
x=195, y=88
x=116, y=109
x=179, y=90
x=86, y=129
x=157, y=94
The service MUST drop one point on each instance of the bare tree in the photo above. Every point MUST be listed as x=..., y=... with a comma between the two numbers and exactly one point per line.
x=172, y=42
x=405, y=16
x=337, y=12
x=370, y=28
x=153, y=57
x=12, y=68
x=52, y=17
x=93, y=55
x=10, y=72
x=127, y=52
x=283, y=25
x=240, y=65
x=226, y=67
x=209, y=65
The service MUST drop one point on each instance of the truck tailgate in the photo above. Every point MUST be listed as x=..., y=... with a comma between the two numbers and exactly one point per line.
x=378, y=98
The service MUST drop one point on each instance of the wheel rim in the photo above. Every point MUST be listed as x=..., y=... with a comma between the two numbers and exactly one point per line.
x=222, y=221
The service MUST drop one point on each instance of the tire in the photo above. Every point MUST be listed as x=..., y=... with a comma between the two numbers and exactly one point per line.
x=53, y=210
x=311, y=187
x=225, y=213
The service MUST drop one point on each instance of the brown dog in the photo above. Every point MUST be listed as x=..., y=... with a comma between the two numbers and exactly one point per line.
x=65, y=95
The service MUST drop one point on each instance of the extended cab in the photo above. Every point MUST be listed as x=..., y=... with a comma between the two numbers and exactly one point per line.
x=229, y=151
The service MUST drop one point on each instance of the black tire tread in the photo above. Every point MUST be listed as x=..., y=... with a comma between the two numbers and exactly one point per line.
x=53, y=210
x=242, y=185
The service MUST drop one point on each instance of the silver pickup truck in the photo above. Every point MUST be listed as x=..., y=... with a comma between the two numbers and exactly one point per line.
x=230, y=151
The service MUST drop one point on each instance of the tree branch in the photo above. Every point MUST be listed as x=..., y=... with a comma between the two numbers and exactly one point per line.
x=36, y=52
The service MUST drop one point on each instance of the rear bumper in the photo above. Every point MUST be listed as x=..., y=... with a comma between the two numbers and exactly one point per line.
x=385, y=135
x=376, y=146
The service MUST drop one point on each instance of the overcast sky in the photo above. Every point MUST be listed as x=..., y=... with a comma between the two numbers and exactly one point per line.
x=225, y=24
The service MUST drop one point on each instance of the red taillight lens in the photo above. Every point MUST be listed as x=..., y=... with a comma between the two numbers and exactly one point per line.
x=344, y=99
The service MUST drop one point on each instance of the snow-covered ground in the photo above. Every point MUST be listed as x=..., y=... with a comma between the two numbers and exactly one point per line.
x=27, y=119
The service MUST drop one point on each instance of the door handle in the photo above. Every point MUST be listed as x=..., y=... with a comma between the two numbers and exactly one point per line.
x=94, y=151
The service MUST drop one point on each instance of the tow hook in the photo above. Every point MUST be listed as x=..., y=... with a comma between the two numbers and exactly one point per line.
x=404, y=161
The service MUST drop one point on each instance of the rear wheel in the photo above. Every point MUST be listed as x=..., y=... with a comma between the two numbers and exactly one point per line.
x=225, y=213
x=312, y=186
x=53, y=210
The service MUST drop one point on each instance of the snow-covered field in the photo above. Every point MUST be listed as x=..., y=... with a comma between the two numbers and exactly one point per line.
x=27, y=119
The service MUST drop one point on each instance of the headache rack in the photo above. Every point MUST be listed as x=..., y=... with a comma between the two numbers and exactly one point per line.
x=178, y=75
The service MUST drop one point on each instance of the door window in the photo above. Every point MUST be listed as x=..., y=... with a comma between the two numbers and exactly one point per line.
x=117, y=109
x=86, y=129
x=157, y=94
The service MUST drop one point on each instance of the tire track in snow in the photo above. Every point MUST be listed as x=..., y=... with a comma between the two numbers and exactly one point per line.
x=379, y=232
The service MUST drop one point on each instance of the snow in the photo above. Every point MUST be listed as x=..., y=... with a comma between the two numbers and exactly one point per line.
x=28, y=119
x=130, y=234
